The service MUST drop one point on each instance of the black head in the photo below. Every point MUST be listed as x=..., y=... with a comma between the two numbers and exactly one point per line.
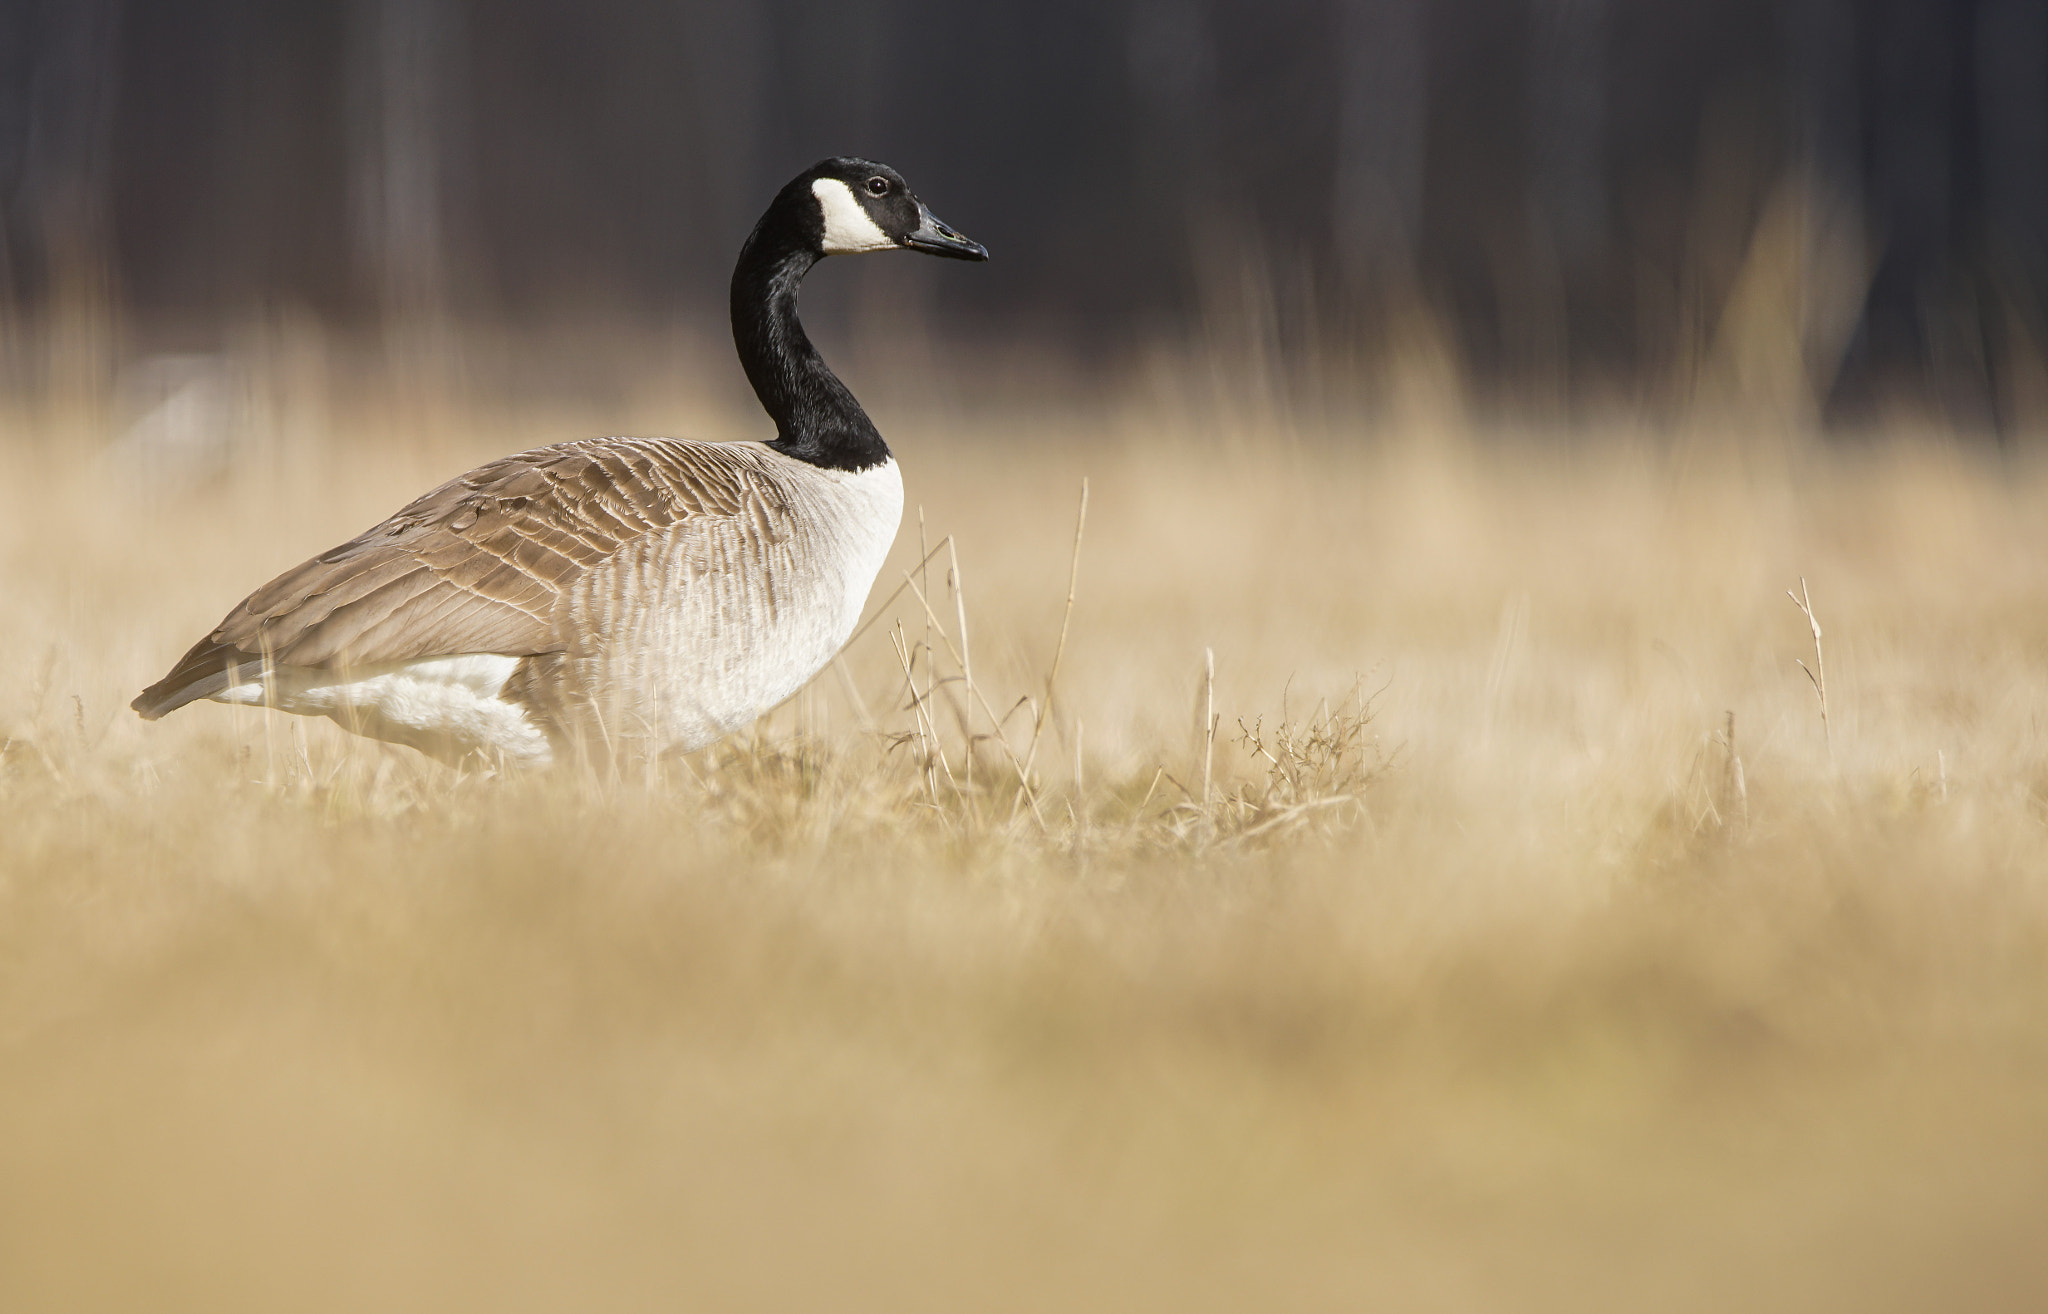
x=856, y=205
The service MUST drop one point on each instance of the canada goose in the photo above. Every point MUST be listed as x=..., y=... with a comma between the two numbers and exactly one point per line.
x=608, y=594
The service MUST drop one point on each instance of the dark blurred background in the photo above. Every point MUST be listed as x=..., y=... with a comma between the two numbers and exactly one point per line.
x=1584, y=200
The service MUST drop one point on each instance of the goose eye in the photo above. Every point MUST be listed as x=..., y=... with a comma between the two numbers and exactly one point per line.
x=878, y=187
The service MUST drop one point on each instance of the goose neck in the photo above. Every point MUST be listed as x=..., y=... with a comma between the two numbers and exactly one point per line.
x=816, y=417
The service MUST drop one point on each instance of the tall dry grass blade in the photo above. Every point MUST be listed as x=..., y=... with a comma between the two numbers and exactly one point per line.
x=931, y=675
x=882, y=608
x=1066, y=618
x=928, y=743
x=1158, y=774
x=966, y=656
x=934, y=682
x=924, y=750
x=1818, y=673
x=1500, y=672
x=1208, y=726
x=235, y=712
x=1734, y=784
x=848, y=686
x=270, y=715
x=1016, y=763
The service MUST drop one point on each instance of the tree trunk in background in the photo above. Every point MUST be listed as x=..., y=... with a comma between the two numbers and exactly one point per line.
x=1382, y=149
x=2012, y=114
x=1824, y=187
x=403, y=97
x=1567, y=145
x=16, y=67
x=1918, y=334
x=1826, y=131
x=1568, y=128
x=1172, y=55
x=56, y=222
x=728, y=60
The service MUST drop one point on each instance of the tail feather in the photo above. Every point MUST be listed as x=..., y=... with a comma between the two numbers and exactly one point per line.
x=203, y=672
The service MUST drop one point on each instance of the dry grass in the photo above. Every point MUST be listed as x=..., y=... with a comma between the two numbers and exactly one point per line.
x=1497, y=967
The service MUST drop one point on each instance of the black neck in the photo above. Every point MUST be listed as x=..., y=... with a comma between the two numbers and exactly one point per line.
x=816, y=418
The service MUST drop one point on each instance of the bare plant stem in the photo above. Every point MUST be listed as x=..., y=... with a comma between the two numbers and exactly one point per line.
x=1818, y=672
x=1052, y=676
x=1150, y=789
x=966, y=658
x=1735, y=788
x=1016, y=763
x=931, y=672
x=861, y=715
x=882, y=608
x=920, y=718
x=961, y=710
x=1208, y=722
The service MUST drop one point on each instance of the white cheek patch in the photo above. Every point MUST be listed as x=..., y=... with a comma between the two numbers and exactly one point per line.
x=848, y=229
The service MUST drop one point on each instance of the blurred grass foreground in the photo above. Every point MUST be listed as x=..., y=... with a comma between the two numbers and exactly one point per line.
x=1428, y=883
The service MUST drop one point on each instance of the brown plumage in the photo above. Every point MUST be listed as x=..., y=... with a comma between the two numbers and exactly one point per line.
x=478, y=565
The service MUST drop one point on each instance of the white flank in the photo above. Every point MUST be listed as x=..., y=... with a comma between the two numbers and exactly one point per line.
x=447, y=703
x=848, y=228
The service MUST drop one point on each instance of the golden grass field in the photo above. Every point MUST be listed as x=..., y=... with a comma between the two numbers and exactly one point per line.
x=1506, y=982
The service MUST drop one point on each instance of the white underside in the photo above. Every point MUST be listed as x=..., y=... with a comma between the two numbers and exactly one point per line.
x=448, y=706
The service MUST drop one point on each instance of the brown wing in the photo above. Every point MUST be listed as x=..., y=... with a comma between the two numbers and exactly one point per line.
x=473, y=566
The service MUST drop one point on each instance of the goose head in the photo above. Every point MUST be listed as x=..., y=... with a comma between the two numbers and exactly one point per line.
x=849, y=205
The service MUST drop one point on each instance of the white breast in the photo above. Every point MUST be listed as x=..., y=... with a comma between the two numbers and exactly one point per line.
x=871, y=510
x=693, y=635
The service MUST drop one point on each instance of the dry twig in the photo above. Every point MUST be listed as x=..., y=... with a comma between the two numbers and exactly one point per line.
x=1818, y=672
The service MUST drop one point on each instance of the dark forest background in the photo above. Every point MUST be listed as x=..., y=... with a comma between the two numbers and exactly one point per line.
x=1582, y=196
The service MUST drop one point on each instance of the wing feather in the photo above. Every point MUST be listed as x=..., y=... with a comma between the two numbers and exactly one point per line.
x=476, y=565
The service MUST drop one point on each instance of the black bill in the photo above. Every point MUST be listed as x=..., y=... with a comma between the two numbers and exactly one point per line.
x=935, y=238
